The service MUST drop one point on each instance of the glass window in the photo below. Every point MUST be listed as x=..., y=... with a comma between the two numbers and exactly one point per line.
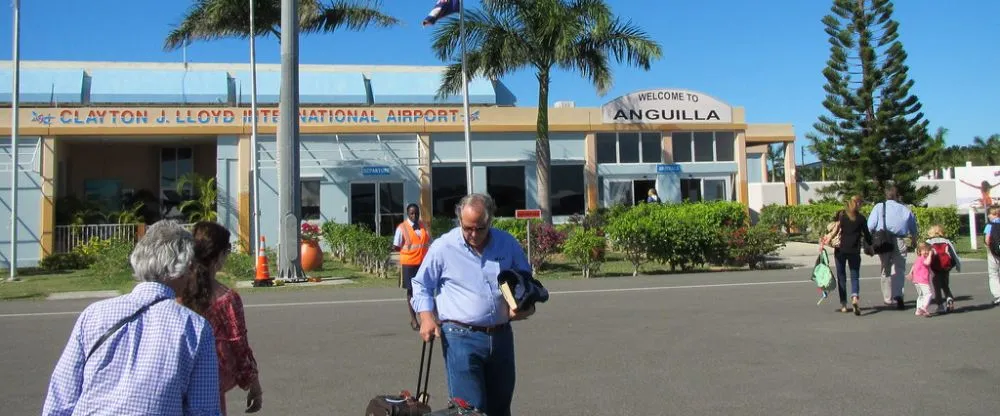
x=652, y=145
x=704, y=147
x=619, y=193
x=310, y=199
x=566, y=190
x=725, y=146
x=390, y=206
x=607, y=148
x=447, y=189
x=682, y=147
x=691, y=190
x=715, y=189
x=628, y=147
x=506, y=185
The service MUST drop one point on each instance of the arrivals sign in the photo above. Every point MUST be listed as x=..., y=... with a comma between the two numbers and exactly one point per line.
x=666, y=107
x=223, y=116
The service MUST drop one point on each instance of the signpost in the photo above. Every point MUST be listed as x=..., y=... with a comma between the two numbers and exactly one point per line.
x=528, y=214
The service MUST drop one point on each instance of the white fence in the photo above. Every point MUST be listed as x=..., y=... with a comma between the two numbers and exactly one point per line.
x=68, y=237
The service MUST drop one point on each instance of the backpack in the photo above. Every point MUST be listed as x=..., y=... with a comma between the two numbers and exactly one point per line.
x=995, y=239
x=822, y=275
x=941, y=261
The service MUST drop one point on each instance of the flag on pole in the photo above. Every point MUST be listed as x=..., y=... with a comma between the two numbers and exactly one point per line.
x=441, y=9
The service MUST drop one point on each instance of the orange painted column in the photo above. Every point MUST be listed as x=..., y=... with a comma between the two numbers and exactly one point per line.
x=48, y=215
x=243, y=202
x=590, y=172
x=424, y=174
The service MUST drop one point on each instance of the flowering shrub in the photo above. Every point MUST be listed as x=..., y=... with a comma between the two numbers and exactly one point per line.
x=752, y=245
x=310, y=233
x=546, y=240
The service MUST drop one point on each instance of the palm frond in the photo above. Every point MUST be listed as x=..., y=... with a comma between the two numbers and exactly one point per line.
x=344, y=14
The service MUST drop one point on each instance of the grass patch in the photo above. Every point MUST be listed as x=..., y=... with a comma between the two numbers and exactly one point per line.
x=37, y=285
x=615, y=265
x=964, y=247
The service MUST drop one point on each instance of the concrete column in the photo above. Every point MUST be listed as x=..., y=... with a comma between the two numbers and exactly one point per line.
x=742, y=177
x=49, y=174
x=424, y=176
x=791, y=185
x=243, y=208
x=668, y=147
x=590, y=171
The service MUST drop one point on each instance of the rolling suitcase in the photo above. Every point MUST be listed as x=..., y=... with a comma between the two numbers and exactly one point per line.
x=405, y=404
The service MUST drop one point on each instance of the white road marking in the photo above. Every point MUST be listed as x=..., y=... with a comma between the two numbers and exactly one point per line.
x=555, y=292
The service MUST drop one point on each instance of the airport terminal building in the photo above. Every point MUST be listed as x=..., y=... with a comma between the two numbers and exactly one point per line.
x=373, y=139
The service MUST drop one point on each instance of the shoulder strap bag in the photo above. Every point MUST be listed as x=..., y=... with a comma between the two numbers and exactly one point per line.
x=119, y=325
x=883, y=240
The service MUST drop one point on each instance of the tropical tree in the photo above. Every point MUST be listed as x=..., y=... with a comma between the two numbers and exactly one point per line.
x=987, y=150
x=218, y=19
x=874, y=132
x=205, y=196
x=542, y=35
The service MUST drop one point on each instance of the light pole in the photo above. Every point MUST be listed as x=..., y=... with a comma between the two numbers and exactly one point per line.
x=14, y=98
x=289, y=261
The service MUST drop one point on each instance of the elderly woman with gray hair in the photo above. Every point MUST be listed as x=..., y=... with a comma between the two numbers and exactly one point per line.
x=141, y=353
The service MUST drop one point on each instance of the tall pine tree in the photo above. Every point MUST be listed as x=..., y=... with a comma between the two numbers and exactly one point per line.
x=875, y=133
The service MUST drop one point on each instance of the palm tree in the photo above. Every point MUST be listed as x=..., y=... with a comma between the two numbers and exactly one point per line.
x=542, y=35
x=217, y=19
x=205, y=196
x=988, y=149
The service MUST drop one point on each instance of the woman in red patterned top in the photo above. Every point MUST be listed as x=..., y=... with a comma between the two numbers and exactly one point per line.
x=223, y=308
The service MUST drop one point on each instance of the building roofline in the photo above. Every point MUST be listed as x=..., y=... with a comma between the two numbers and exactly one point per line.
x=179, y=66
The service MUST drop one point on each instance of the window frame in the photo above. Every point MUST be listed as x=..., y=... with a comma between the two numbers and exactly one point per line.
x=618, y=150
x=715, y=146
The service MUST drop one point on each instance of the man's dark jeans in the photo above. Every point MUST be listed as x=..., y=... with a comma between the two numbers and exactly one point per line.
x=480, y=367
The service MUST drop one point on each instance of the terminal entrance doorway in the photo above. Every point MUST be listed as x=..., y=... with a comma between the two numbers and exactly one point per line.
x=627, y=192
x=377, y=206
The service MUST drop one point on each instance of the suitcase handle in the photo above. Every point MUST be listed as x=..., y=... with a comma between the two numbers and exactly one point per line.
x=424, y=374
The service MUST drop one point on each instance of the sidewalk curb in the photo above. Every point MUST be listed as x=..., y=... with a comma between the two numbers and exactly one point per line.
x=92, y=294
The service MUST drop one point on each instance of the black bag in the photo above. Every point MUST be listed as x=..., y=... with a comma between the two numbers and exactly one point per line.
x=995, y=239
x=883, y=241
x=457, y=407
x=405, y=404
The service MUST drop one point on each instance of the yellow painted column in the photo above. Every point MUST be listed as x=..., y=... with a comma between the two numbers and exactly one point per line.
x=791, y=185
x=424, y=176
x=243, y=207
x=764, y=157
x=48, y=214
x=590, y=171
x=742, y=189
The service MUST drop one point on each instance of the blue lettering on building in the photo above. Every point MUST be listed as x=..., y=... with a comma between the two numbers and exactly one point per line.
x=375, y=170
x=668, y=168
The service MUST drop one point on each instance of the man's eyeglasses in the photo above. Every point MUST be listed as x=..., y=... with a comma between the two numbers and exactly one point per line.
x=477, y=229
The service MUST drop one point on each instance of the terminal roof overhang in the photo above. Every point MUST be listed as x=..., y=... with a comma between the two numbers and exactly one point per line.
x=65, y=83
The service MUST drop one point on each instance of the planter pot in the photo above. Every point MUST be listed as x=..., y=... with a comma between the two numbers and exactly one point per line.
x=312, y=256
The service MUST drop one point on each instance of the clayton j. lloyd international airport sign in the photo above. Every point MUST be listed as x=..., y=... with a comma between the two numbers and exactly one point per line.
x=666, y=106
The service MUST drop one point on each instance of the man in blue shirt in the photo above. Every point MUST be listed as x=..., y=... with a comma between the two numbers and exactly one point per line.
x=901, y=222
x=458, y=279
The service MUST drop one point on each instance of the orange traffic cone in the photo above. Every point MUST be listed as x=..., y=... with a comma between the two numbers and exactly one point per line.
x=263, y=276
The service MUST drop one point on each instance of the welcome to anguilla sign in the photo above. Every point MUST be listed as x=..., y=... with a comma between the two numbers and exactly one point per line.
x=666, y=107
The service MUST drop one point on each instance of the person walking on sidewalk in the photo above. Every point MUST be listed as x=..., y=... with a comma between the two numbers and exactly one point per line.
x=412, y=240
x=992, y=261
x=852, y=232
x=900, y=222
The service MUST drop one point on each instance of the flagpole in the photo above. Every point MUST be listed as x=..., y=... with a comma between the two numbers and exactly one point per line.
x=253, y=133
x=14, y=98
x=465, y=101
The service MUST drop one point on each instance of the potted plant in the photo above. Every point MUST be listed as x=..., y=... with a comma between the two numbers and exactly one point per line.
x=311, y=253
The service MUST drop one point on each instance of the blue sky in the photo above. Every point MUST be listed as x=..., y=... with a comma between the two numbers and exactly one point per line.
x=764, y=56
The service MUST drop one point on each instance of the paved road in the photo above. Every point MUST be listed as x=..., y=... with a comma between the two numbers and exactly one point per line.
x=744, y=343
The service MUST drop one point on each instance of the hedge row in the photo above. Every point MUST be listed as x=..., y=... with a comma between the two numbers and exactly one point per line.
x=355, y=244
x=810, y=220
x=689, y=235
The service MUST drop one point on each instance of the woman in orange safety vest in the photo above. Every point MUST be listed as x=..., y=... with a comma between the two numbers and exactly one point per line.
x=412, y=240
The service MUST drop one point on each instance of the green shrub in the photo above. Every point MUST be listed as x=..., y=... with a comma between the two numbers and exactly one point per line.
x=357, y=245
x=111, y=261
x=240, y=266
x=57, y=262
x=517, y=228
x=751, y=245
x=441, y=225
x=810, y=220
x=586, y=248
